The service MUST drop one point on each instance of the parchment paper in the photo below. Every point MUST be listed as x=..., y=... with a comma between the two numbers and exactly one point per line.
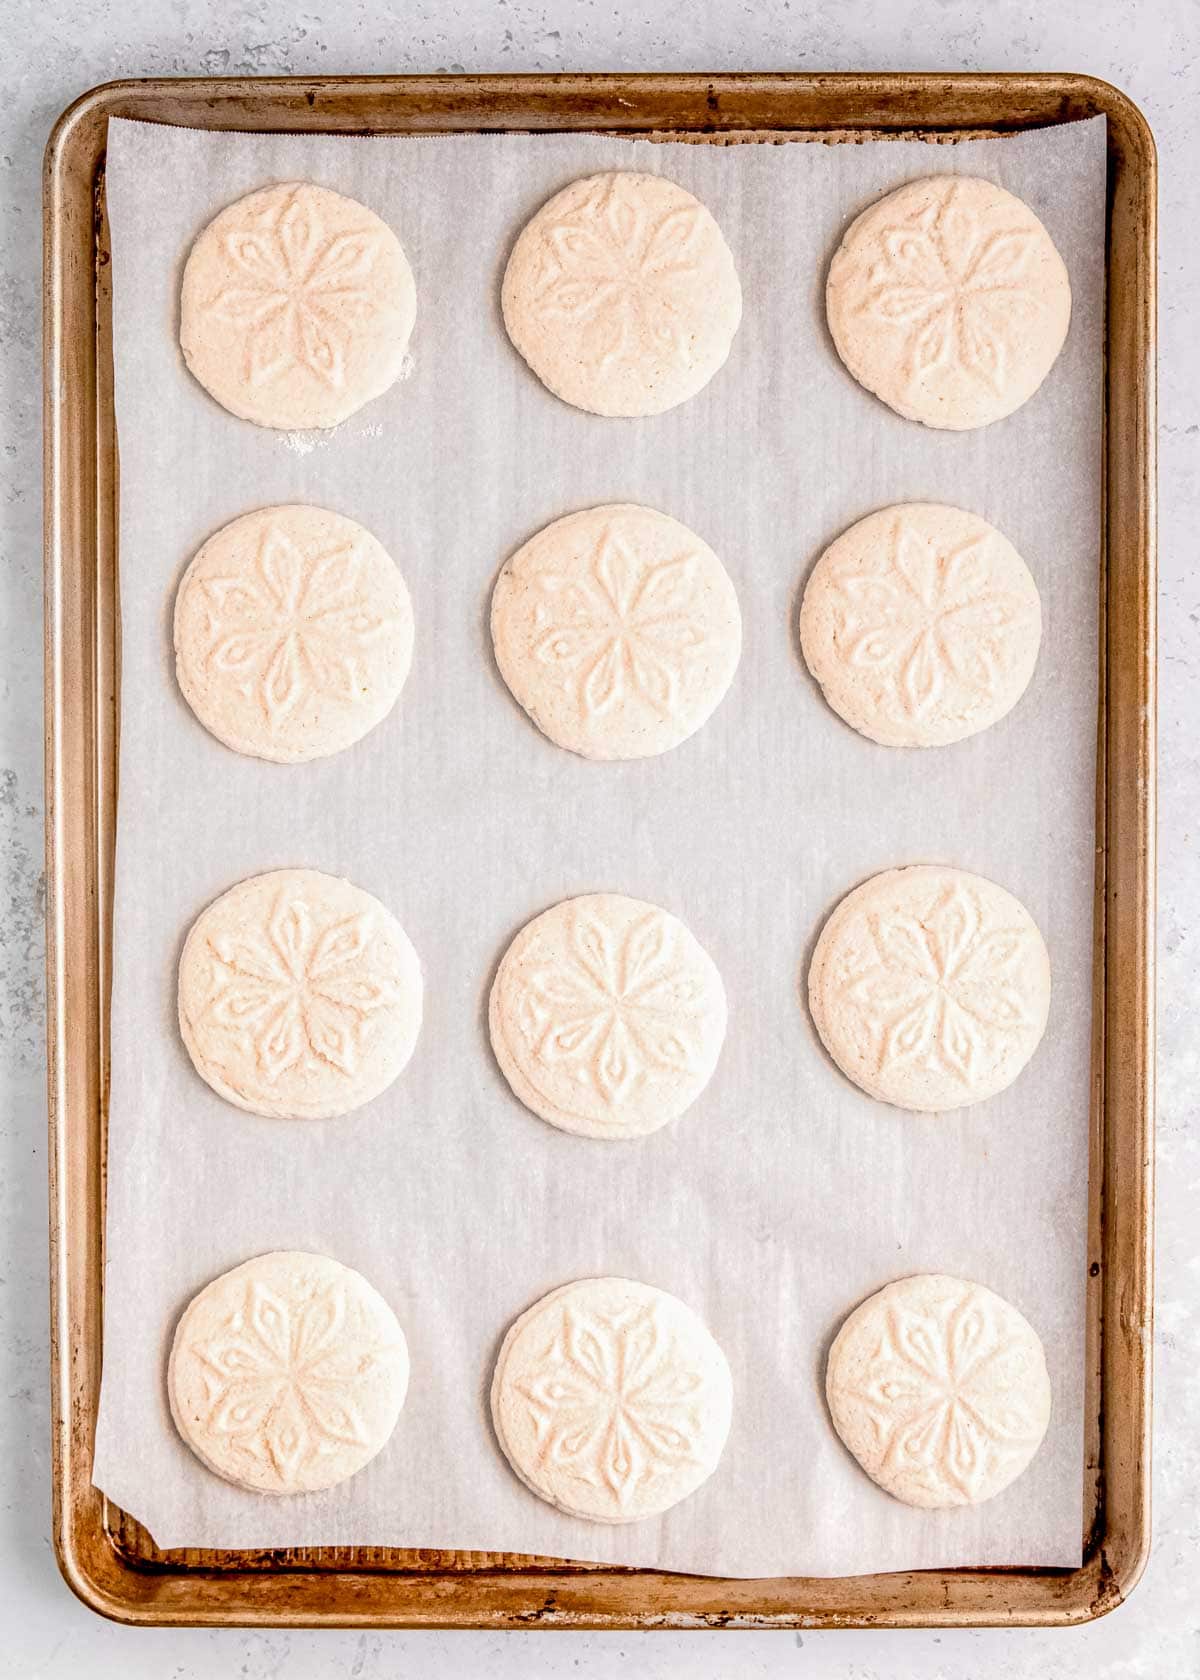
x=784, y=1196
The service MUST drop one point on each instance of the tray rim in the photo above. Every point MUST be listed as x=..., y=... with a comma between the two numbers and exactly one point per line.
x=1120, y=1244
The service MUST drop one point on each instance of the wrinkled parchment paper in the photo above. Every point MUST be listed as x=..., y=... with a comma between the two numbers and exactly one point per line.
x=784, y=1196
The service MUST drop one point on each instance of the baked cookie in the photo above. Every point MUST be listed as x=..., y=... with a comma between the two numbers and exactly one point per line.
x=297, y=307
x=287, y=1374
x=940, y=1390
x=293, y=633
x=948, y=299
x=611, y=1400
x=922, y=624
x=618, y=630
x=621, y=295
x=930, y=987
x=299, y=995
x=607, y=1017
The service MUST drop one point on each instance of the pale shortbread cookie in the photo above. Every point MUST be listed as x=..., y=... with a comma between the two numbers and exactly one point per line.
x=611, y=1400
x=948, y=299
x=621, y=295
x=299, y=995
x=297, y=307
x=293, y=633
x=607, y=1017
x=930, y=987
x=921, y=623
x=618, y=630
x=287, y=1374
x=939, y=1388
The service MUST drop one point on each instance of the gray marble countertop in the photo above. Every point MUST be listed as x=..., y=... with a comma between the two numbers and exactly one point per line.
x=54, y=50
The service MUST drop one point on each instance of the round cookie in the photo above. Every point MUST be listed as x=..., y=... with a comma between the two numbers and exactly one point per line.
x=930, y=987
x=922, y=624
x=621, y=295
x=607, y=1017
x=297, y=307
x=611, y=1400
x=948, y=300
x=293, y=633
x=287, y=1374
x=939, y=1388
x=618, y=631
x=299, y=995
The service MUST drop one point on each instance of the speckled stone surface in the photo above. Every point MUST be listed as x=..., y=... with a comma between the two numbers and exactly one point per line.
x=1151, y=48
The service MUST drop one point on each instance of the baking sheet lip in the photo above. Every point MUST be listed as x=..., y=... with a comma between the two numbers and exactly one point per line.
x=1092, y=1590
x=1118, y=1574
x=1104, y=98
x=1092, y=1594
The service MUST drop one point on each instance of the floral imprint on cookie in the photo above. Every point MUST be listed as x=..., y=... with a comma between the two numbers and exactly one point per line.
x=930, y=987
x=622, y=295
x=293, y=633
x=607, y=1017
x=297, y=292
x=288, y=1373
x=610, y=1009
x=624, y=628
x=945, y=277
x=939, y=986
x=620, y=271
x=613, y=1403
x=922, y=625
x=949, y=300
x=940, y=1389
x=299, y=995
x=611, y=1399
x=618, y=630
x=297, y=306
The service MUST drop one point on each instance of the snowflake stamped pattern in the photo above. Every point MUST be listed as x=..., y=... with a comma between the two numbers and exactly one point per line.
x=621, y=294
x=618, y=630
x=953, y=285
x=297, y=293
x=939, y=1388
x=297, y=306
x=288, y=1373
x=299, y=995
x=622, y=273
x=948, y=299
x=623, y=631
x=930, y=987
x=607, y=1016
x=611, y=1399
x=293, y=633
x=922, y=624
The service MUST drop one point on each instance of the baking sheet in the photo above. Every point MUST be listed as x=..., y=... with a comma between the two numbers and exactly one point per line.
x=784, y=1196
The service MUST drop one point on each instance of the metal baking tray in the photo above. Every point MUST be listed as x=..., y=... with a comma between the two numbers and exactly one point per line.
x=106, y=1557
